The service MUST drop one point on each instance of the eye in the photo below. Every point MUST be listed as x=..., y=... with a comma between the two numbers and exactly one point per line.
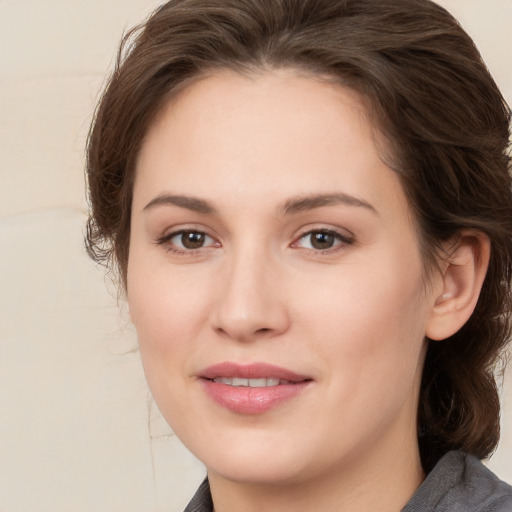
x=187, y=240
x=322, y=240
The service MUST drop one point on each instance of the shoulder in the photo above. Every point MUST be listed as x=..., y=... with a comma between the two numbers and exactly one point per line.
x=202, y=500
x=461, y=483
x=493, y=494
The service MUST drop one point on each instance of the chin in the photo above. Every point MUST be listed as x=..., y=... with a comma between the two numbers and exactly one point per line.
x=257, y=472
x=264, y=458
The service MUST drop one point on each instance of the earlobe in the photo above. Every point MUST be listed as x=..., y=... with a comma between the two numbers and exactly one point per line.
x=462, y=277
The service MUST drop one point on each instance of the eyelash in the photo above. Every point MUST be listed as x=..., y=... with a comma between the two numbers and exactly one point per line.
x=341, y=240
x=166, y=240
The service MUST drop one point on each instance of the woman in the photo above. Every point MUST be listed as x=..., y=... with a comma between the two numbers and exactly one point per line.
x=308, y=204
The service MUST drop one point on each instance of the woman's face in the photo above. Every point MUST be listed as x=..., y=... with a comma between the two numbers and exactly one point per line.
x=275, y=280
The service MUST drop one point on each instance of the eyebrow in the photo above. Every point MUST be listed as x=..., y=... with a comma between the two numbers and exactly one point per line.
x=291, y=206
x=190, y=203
x=309, y=202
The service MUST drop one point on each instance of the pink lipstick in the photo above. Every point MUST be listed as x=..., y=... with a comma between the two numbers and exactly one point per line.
x=251, y=388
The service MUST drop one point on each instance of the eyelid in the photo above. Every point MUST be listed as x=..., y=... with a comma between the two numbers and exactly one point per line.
x=177, y=231
x=343, y=236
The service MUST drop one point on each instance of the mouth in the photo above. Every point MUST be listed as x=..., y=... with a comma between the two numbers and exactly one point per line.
x=252, y=388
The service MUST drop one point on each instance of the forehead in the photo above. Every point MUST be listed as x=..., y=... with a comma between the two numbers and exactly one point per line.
x=267, y=106
x=271, y=133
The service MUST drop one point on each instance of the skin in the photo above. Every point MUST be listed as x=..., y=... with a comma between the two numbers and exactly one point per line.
x=353, y=317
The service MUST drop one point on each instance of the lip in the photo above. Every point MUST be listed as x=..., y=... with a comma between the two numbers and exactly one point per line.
x=252, y=400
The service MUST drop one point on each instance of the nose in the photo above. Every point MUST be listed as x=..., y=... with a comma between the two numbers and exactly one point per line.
x=250, y=302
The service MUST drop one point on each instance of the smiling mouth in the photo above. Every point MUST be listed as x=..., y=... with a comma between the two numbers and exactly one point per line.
x=252, y=388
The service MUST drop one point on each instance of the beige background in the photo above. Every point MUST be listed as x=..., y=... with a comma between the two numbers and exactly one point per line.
x=78, y=429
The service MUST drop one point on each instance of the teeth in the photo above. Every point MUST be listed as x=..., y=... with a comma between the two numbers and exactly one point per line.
x=259, y=383
x=223, y=380
x=252, y=383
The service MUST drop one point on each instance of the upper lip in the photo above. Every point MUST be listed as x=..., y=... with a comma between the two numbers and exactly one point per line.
x=251, y=371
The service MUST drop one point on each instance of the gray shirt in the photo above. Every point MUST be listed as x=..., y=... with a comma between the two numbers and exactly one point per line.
x=458, y=483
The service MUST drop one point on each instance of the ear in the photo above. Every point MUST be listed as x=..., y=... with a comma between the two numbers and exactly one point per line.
x=458, y=286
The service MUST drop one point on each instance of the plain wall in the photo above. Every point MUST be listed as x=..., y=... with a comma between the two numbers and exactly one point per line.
x=79, y=430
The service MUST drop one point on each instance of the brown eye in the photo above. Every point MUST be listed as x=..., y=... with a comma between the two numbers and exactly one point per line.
x=322, y=240
x=187, y=241
x=192, y=239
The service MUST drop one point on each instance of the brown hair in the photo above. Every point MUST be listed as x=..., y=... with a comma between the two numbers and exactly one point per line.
x=436, y=104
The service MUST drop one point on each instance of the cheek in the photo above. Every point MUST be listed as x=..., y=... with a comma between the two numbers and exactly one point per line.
x=168, y=311
x=369, y=321
x=168, y=317
x=370, y=343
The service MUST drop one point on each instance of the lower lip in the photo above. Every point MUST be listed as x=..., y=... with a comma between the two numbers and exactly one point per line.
x=247, y=400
